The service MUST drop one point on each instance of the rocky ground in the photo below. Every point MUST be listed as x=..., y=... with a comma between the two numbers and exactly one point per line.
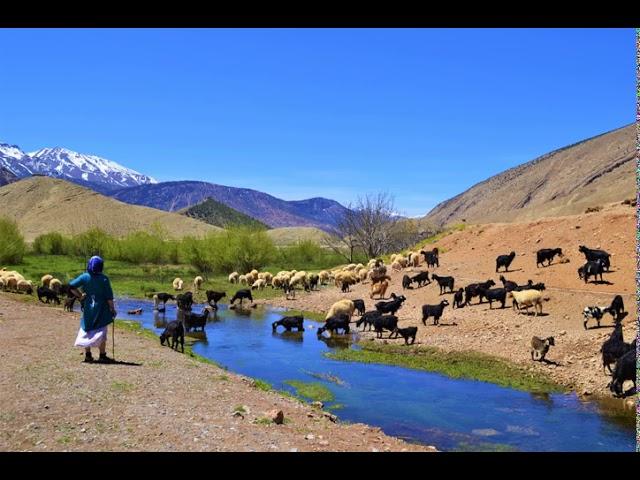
x=51, y=401
x=469, y=256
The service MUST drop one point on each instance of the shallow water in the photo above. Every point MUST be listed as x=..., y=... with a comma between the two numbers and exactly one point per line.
x=421, y=407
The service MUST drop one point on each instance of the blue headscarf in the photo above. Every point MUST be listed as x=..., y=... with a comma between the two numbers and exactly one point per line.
x=95, y=265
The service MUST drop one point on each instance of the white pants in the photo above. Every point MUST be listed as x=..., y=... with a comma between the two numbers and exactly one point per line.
x=92, y=338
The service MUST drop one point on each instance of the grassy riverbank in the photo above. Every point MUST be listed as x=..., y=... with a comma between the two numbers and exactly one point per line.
x=468, y=365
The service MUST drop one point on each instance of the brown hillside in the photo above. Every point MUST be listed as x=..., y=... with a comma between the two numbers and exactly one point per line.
x=567, y=181
x=44, y=204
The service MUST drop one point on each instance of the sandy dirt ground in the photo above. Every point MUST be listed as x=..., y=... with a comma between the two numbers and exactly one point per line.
x=469, y=256
x=51, y=401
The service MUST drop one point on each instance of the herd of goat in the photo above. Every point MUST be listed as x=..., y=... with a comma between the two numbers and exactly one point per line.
x=339, y=317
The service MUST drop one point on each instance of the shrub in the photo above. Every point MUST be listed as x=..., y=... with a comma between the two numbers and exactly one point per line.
x=53, y=243
x=12, y=244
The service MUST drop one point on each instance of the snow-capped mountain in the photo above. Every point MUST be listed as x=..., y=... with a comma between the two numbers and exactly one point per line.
x=88, y=170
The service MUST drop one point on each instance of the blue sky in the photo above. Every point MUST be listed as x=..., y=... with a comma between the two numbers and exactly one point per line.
x=297, y=113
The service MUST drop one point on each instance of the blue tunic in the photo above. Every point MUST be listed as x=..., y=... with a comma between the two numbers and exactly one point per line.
x=97, y=313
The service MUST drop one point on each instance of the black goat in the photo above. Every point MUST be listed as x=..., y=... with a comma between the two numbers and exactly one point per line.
x=407, y=333
x=458, y=298
x=613, y=348
x=314, y=278
x=593, y=255
x=406, y=282
x=540, y=346
x=241, y=295
x=289, y=322
x=474, y=290
x=185, y=301
x=359, y=304
x=69, y=302
x=505, y=261
x=434, y=311
x=50, y=295
x=335, y=323
x=391, y=306
x=591, y=269
x=547, y=255
x=386, y=322
x=617, y=307
x=215, y=297
x=444, y=283
x=431, y=258
x=624, y=370
x=367, y=319
x=193, y=321
x=508, y=284
x=421, y=278
x=494, y=294
x=162, y=297
x=174, y=331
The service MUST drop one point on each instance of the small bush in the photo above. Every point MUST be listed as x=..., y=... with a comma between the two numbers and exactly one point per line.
x=593, y=209
x=52, y=243
x=12, y=244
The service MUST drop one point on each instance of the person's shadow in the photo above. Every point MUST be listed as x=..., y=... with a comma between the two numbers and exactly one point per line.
x=118, y=362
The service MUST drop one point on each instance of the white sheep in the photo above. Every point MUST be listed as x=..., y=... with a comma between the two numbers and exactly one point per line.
x=242, y=279
x=55, y=285
x=300, y=278
x=527, y=298
x=25, y=286
x=46, y=279
x=362, y=274
x=259, y=284
x=178, y=283
x=233, y=277
x=341, y=306
x=395, y=265
x=324, y=277
x=197, y=283
x=414, y=259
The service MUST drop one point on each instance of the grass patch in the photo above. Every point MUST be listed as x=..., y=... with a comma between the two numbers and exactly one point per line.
x=262, y=385
x=336, y=406
x=239, y=408
x=468, y=365
x=263, y=421
x=313, y=390
x=122, y=387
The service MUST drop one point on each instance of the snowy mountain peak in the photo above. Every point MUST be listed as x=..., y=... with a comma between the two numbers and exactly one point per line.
x=64, y=163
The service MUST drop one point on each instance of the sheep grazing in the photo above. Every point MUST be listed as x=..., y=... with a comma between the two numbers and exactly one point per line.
x=386, y=322
x=616, y=307
x=625, y=370
x=359, y=305
x=527, y=298
x=193, y=321
x=434, y=311
x=391, y=306
x=458, y=301
x=508, y=284
x=396, y=266
x=25, y=286
x=540, y=347
x=347, y=282
x=594, y=255
x=414, y=259
x=324, y=277
x=614, y=347
x=288, y=323
x=343, y=306
x=259, y=284
x=242, y=280
x=407, y=333
x=184, y=301
x=367, y=319
x=48, y=294
x=288, y=290
x=379, y=289
x=406, y=282
x=505, y=261
x=314, y=280
x=197, y=283
x=495, y=294
x=591, y=269
x=233, y=277
x=55, y=285
x=174, y=331
x=177, y=284
x=547, y=255
x=241, y=295
x=594, y=312
x=335, y=323
x=444, y=283
x=46, y=279
x=475, y=290
x=215, y=297
x=421, y=278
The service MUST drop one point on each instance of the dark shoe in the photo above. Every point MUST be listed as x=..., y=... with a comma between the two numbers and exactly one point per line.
x=88, y=358
x=104, y=359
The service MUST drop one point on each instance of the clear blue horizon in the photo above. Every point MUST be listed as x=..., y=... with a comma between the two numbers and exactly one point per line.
x=297, y=113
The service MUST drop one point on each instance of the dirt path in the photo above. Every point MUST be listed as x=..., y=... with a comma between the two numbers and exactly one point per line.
x=51, y=401
x=469, y=256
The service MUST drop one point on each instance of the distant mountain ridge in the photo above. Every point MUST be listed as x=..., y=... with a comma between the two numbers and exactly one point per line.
x=218, y=214
x=566, y=181
x=87, y=170
x=274, y=212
